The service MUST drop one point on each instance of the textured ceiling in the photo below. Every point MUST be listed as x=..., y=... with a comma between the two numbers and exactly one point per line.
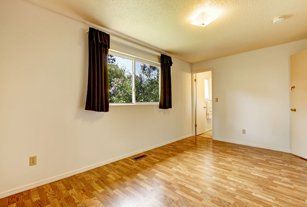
x=244, y=24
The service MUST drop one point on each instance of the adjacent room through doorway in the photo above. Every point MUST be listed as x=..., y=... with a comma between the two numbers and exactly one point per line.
x=203, y=104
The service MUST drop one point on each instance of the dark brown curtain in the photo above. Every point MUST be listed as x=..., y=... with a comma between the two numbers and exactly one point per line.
x=97, y=98
x=166, y=82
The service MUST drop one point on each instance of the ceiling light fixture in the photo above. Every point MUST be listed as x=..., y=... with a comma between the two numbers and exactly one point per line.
x=280, y=19
x=204, y=16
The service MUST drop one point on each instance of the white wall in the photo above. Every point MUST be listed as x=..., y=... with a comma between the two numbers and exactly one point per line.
x=43, y=74
x=253, y=92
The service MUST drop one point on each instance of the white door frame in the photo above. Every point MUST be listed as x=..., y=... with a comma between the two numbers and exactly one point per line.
x=194, y=94
x=195, y=103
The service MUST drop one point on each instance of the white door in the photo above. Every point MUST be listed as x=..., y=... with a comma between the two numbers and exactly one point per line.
x=299, y=104
x=204, y=103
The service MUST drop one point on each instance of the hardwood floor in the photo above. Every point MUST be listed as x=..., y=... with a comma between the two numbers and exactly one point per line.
x=210, y=173
x=207, y=134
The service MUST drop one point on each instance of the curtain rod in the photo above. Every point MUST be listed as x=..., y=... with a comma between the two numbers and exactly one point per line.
x=114, y=34
x=110, y=31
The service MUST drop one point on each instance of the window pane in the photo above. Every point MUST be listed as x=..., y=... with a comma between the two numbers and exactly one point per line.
x=146, y=82
x=120, y=79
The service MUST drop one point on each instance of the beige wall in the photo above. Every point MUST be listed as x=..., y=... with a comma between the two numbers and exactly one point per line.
x=43, y=74
x=253, y=92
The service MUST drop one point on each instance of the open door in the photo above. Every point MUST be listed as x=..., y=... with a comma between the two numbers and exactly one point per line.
x=299, y=104
x=203, y=102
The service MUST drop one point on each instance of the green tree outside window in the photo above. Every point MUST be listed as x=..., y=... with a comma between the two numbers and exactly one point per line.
x=146, y=81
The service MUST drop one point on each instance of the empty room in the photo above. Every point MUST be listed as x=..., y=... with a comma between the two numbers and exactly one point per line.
x=149, y=103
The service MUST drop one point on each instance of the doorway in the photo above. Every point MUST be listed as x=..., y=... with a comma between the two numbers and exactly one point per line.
x=203, y=104
x=298, y=104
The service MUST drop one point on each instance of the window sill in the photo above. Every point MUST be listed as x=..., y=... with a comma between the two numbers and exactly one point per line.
x=135, y=104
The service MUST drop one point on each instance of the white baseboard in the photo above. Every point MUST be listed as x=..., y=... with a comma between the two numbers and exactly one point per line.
x=207, y=131
x=83, y=169
x=235, y=141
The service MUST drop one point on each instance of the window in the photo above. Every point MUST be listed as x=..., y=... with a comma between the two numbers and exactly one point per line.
x=132, y=80
x=146, y=82
x=120, y=79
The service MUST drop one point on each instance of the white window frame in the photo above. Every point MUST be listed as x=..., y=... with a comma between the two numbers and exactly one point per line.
x=142, y=60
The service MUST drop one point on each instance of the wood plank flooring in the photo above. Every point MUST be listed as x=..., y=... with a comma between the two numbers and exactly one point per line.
x=209, y=173
x=207, y=134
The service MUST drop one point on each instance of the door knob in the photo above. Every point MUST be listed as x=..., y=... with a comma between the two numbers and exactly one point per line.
x=293, y=109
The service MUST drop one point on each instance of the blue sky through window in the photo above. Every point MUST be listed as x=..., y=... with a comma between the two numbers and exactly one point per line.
x=125, y=64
